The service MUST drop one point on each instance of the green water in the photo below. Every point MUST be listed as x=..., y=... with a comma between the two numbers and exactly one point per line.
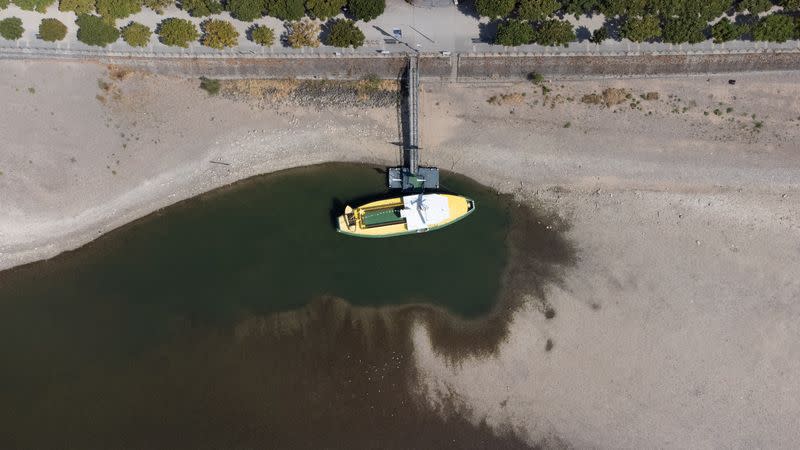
x=264, y=245
x=80, y=332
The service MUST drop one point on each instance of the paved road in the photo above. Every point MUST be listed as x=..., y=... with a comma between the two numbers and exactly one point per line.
x=424, y=29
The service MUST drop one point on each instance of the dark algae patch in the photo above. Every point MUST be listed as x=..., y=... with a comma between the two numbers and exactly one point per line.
x=217, y=322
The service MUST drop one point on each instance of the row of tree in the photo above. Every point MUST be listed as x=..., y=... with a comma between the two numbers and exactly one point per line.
x=649, y=28
x=213, y=33
x=534, y=10
x=245, y=10
x=672, y=21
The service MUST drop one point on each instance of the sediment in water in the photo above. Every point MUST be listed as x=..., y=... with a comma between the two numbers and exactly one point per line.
x=325, y=375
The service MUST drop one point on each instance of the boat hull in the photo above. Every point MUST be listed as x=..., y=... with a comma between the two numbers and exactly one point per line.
x=393, y=217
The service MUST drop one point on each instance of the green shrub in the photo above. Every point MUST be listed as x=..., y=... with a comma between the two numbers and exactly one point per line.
x=494, y=9
x=599, y=35
x=725, y=30
x=553, y=32
x=177, y=32
x=201, y=8
x=790, y=5
x=11, y=28
x=324, y=9
x=754, y=6
x=209, y=85
x=513, y=33
x=535, y=10
x=578, y=7
x=689, y=29
x=4, y=4
x=219, y=34
x=79, y=6
x=118, y=9
x=158, y=6
x=366, y=10
x=535, y=77
x=246, y=10
x=345, y=33
x=262, y=35
x=623, y=8
x=774, y=28
x=286, y=9
x=136, y=34
x=93, y=30
x=52, y=30
x=640, y=29
x=34, y=5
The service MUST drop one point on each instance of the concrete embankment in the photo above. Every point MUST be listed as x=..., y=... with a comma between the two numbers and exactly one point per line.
x=461, y=67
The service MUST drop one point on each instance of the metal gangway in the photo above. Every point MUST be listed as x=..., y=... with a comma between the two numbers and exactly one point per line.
x=411, y=176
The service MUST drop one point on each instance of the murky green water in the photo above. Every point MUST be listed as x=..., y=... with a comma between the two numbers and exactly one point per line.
x=262, y=246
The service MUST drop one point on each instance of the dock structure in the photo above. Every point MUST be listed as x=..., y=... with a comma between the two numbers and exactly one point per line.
x=412, y=177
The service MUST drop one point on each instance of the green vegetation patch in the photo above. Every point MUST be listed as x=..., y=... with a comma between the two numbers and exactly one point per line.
x=262, y=35
x=11, y=28
x=219, y=34
x=137, y=34
x=52, y=30
x=93, y=30
x=344, y=33
x=177, y=32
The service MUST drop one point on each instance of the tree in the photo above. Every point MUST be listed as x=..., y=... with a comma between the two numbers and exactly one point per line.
x=52, y=30
x=579, y=7
x=553, y=32
x=177, y=32
x=93, y=30
x=136, y=34
x=219, y=34
x=158, y=6
x=774, y=28
x=4, y=4
x=599, y=35
x=286, y=9
x=535, y=10
x=612, y=8
x=201, y=8
x=324, y=9
x=513, y=33
x=366, y=10
x=246, y=10
x=494, y=9
x=345, y=33
x=79, y=6
x=303, y=33
x=640, y=29
x=754, y=6
x=11, y=28
x=790, y=5
x=262, y=35
x=684, y=29
x=725, y=30
x=34, y=5
x=118, y=9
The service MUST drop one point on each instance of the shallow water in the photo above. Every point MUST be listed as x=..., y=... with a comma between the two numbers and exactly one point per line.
x=149, y=309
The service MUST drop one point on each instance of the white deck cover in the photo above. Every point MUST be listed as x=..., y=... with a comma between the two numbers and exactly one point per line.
x=423, y=211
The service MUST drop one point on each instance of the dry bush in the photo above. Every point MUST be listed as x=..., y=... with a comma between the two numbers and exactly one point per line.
x=512, y=99
x=303, y=33
x=650, y=96
x=609, y=97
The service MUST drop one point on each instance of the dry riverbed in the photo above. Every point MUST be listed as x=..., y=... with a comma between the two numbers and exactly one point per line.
x=677, y=324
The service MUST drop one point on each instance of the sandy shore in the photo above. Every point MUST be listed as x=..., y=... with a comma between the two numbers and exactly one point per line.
x=676, y=328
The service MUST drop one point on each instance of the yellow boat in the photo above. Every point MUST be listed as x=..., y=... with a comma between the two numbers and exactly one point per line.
x=407, y=214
